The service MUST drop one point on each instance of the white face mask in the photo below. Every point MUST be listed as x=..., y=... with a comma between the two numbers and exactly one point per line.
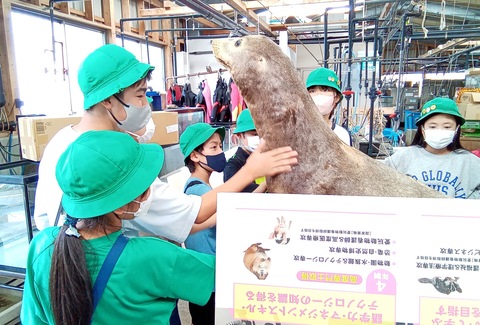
x=439, y=138
x=148, y=135
x=137, y=117
x=144, y=206
x=253, y=143
x=324, y=103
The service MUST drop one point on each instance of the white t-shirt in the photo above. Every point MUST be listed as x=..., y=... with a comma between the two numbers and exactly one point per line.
x=454, y=174
x=171, y=213
x=343, y=134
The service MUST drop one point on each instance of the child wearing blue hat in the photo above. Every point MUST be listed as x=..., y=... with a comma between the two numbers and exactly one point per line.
x=86, y=271
x=436, y=156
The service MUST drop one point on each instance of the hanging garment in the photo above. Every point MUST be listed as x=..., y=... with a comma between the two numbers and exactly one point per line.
x=174, y=95
x=225, y=112
x=207, y=94
x=237, y=104
x=220, y=110
x=189, y=98
x=177, y=98
x=169, y=97
x=201, y=101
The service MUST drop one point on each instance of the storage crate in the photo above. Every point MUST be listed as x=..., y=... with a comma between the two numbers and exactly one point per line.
x=472, y=78
x=410, y=118
x=471, y=129
x=156, y=103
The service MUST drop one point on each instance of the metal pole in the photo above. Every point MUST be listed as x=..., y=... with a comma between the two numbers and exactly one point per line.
x=373, y=89
x=351, y=29
x=399, y=100
x=174, y=50
x=326, y=48
x=52, y=24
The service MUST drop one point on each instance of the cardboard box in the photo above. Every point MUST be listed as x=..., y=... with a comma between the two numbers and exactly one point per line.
x=470, y=143
x=166, y=127
x=469, y=105
x=36, y=131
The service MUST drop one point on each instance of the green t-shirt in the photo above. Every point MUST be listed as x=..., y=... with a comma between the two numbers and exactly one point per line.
x=148, y=278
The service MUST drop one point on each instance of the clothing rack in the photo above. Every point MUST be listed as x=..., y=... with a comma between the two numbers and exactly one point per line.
x=198, y=74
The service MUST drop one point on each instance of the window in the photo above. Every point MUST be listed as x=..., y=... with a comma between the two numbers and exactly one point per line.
x=48, y=82
x=156, y=55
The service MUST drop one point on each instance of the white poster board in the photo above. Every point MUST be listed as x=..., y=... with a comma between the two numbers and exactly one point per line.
x=311, y=259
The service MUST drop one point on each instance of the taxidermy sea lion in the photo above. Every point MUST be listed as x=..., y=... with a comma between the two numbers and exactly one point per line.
x=285, y=115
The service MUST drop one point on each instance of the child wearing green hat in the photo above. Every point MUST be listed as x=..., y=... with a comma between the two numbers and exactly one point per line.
x=201, y=146
x=114, y=85
x=436, y=156
x=324, y=88
x=87, y=271
x=248, y=141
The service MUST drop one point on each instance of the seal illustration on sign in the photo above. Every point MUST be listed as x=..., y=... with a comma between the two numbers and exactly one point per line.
x=280, y=232
x=257, y=261
x=444, y=285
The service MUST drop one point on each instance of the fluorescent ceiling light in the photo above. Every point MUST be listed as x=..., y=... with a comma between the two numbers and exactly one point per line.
x=445, y=76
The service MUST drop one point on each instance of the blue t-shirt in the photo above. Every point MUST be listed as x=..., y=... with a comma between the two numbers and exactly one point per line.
x=203, y=241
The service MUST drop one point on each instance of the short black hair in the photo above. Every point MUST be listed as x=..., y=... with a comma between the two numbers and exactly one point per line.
x=189, y=163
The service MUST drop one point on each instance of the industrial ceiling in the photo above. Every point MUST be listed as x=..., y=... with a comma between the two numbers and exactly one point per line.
x=450, y=30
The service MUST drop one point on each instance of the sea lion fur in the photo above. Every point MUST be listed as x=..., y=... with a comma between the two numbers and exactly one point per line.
x=285, y=115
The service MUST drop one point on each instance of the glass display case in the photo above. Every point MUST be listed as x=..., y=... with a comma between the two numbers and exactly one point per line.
x=18, y=181
x=191, y=115
x=188, y=116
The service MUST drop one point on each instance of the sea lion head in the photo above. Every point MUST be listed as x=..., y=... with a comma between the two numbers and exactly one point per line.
x=257, y=65
x=269, y=84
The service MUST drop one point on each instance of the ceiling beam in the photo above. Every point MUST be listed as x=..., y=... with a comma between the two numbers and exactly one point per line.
x=206, y=23
x=166, y=12
x=250, y=15
x=170, y=9
x=443, y=47
x=215, y=16
x=254, y=5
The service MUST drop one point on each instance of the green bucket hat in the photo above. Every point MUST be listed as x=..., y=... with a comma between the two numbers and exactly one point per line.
x=324, y=77
x=437, y=106
x=107, y=71
x=195, y=135
x=244, y=122
x=103, y=170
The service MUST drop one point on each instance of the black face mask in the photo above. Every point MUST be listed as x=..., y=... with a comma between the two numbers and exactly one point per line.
x=216, y=162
